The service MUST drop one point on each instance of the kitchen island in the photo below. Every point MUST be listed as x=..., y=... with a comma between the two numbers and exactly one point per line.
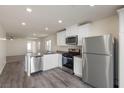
x=35, y=62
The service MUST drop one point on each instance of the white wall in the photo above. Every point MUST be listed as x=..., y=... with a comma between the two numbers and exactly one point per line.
x=16, y=47
x=2, y=49
x=19, y=47
x=105, y=26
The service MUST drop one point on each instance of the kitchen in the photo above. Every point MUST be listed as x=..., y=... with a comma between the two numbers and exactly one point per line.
x=71, y=61
x=64, y=49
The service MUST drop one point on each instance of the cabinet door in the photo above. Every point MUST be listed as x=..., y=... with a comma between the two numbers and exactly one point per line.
x=68, y=32
x=50, y=61
x=78, y=66
x=61, y=36
x=60, y=60
x=72, y=30
x=83, y=32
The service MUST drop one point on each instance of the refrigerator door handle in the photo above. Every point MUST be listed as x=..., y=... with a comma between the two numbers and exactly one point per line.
x=85, y=69
x=83, y=45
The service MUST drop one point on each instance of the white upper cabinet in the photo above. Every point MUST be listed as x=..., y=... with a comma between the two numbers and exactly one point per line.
x=61, y=36
x=82, y=31
x=72, y=30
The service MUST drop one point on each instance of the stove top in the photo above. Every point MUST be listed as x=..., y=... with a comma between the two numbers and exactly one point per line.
x=72, y=52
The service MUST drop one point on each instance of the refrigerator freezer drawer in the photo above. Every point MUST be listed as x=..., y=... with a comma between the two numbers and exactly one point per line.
x=98, y=70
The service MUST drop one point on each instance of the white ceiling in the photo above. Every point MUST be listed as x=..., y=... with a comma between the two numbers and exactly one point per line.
x=43, y=16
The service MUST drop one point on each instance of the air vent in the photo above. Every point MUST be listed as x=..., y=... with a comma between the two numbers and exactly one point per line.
x=83, y=23
x=10, y=36
x=61, y=30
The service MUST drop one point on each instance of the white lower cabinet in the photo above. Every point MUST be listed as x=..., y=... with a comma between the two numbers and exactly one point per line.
x=60, y=60
x=51, y=61
x=78, y=64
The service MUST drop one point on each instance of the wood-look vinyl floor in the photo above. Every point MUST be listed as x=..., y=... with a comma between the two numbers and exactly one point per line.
x=13, y=76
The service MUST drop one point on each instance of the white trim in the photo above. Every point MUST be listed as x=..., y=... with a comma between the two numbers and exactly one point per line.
x=1, y=69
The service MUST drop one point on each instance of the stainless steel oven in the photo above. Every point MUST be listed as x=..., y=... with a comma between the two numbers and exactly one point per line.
x=67, y=62
x=72, y=40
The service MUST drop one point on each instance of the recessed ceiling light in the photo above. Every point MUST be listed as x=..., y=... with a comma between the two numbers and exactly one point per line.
x=59, y=21
x=23, y=23
x=3, y=39
x=34, y=34
x=92, y=5
x=31, y=38
x=43, y=35
x=29, y=10
x=46, y=28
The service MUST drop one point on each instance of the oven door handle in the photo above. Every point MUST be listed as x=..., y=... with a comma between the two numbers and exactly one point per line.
x=67, y=57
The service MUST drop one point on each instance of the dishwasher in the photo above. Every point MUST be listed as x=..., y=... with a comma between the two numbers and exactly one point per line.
x=36, y=64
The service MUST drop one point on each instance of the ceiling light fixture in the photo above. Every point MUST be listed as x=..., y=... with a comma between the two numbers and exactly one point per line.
x=29, y=10
x=11, y=39
x=59, y=21
x=92, y=5
x=23, y=23
x=46, y=28
x=34, y=34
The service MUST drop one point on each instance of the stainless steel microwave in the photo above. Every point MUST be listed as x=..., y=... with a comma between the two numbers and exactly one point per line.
x=72, y=40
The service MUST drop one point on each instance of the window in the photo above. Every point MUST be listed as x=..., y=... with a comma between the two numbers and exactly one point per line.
x=33, y=46
x=38, y=45
x=48, y=45
x=29, y=48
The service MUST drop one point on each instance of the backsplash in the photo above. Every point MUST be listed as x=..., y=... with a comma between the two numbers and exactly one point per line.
x=65, y=48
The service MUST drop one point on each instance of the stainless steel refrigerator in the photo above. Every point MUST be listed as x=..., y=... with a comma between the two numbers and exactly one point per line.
x=98, y=61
